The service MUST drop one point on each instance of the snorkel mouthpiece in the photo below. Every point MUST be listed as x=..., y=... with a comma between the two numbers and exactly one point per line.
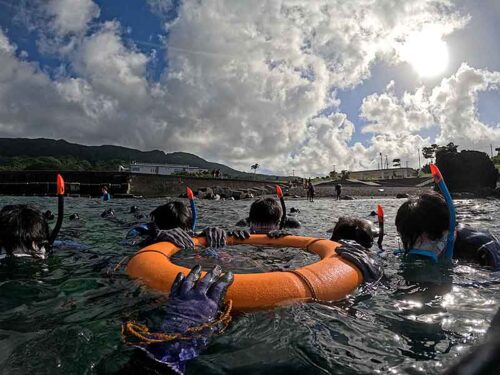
x=380, y=217
x=194, y=215
x=60, y=209
x=438, y=179
x=279, y=193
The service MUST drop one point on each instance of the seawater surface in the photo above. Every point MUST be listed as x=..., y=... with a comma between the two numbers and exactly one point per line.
x=63, y=315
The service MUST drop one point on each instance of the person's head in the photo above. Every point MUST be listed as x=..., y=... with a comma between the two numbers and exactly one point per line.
x=424, y=218
x=109, y=212
x=174, y=214
x=134, y=209
x=265, y=215
x=359, y=230
x=49, y=215
x=24, y=231
x=104, y=189
x=74, y=217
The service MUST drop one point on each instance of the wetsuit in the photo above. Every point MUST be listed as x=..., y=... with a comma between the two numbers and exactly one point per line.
x=338, y=189
x=477, y=246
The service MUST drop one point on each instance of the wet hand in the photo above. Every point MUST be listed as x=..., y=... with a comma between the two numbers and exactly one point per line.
x=361, y=258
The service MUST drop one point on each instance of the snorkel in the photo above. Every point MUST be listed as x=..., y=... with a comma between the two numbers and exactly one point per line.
x=279, y=192
x=60, y=209
x=438, y=179
x=194, y=215
x=380, y=217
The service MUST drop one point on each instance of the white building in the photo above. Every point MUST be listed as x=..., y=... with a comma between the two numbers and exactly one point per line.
x=163, y=169
x=384, y=174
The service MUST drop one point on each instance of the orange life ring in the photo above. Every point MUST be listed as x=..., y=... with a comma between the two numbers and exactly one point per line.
x=329, y=279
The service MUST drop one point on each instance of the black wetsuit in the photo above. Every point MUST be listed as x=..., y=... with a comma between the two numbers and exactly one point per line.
x=477, y=246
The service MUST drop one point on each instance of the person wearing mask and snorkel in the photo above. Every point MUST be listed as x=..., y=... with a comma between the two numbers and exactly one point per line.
x=175, y=222
x=427, y=227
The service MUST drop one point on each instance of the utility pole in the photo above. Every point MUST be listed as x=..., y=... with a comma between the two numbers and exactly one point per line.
x=381, y=162
x=386, y=162
x=418, y=151
x=491, y=149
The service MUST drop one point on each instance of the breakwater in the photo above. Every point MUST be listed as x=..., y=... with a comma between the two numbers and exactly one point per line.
x=120, y=184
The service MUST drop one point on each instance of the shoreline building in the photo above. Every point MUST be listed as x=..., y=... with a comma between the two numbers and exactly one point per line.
x=384, y=174
x=163, y=169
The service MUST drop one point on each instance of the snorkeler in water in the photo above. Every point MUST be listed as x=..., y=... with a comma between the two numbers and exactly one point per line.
x=25, y=232
x=173, y=222
x=427, y=227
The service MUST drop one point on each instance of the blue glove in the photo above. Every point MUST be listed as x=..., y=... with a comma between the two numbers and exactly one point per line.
x=193, y=302
x=143, y=229
x=361, y=258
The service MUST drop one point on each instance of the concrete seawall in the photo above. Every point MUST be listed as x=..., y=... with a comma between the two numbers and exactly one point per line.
x=119, y=183
x=154, y=186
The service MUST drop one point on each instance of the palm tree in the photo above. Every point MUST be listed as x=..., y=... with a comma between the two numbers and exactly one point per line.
x=255, y=167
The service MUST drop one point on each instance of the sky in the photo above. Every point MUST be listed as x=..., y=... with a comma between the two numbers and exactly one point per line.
x=295, y=85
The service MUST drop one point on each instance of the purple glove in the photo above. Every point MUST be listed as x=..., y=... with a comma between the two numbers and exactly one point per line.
x=177, y=236
x=192, y=303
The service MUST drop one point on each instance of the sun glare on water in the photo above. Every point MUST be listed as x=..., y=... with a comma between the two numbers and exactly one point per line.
x=426, y=52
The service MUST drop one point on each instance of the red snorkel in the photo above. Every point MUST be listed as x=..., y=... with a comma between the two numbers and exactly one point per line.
x=279, y=193
x=60, y=209
x=194, y=215
x=380, y=217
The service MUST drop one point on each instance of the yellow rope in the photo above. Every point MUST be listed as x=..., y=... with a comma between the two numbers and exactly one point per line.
x=144, y=335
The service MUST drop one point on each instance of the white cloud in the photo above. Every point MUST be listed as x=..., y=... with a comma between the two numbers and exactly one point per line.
x=454, y=104
x=246, y=81
x=388, y=114
x=71, y=16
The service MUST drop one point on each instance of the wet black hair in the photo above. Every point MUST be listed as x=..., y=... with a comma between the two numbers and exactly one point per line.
x=265, y=211
x=75, y=216
x=109, y=212
x=134, y=209
x=426, y=214
x=49, y=215
x=174, y=214
x=359, y=230
x=21, y=226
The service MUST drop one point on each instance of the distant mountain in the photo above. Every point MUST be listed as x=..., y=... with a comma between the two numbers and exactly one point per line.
x=10, y=147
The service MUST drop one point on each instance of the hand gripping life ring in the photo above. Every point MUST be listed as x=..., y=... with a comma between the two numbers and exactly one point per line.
x=330, y=279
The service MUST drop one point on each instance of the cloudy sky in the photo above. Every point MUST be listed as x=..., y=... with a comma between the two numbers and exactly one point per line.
x=294, y=85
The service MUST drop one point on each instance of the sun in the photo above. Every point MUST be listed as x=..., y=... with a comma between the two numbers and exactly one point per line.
x=426, y=52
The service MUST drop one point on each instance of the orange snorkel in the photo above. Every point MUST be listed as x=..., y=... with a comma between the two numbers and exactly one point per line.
x=60, y=208
x=380, y=217
x=194, y=215
x=279, y=192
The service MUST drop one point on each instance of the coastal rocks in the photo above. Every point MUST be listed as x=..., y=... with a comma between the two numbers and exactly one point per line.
x=402, y=196
x=205, y=193
x=346, y=198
